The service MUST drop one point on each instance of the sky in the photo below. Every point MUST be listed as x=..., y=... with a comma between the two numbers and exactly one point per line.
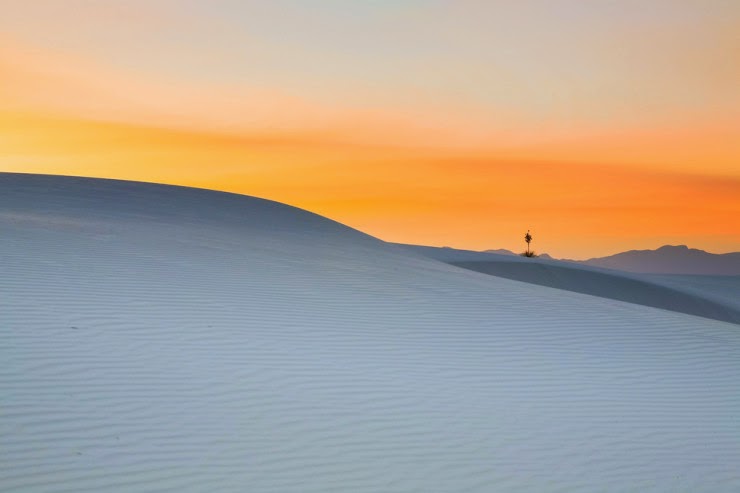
x=600, y=126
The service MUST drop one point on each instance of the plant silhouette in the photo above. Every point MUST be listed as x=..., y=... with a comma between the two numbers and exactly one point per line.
x=528, y=239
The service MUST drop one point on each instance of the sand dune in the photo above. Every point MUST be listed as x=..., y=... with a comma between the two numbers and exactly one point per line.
x=160, y=338
x=716, y=297
x=722, y=289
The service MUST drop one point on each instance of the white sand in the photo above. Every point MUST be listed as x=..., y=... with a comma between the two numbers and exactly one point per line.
x=169, y=339
x=716, y=297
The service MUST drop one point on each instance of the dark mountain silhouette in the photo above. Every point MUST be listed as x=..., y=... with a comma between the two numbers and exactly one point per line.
x=500, y=251
x=670, y=259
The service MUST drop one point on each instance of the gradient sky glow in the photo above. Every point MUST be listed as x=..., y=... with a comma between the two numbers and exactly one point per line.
x=601, y=125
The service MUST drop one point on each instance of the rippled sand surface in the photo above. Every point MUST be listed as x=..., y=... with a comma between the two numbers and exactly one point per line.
x=159, y=338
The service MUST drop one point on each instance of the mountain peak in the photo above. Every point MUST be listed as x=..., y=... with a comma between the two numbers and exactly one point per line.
x=673, y=247
x=671, y=259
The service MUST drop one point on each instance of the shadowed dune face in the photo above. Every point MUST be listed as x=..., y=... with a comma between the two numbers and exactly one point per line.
x=160, y=338
x=704, y=296
x=723, y=289
x=609, y=285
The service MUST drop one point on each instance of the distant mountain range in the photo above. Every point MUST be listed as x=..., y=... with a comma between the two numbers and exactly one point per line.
x=670, y=259
x=503, y=251
x=500, y=251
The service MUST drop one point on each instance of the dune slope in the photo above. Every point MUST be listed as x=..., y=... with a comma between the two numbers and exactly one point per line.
x=713, y=297
x=159, y=338
x=614, y=285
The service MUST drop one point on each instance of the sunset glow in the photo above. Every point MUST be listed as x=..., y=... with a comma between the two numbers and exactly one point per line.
x=600, y=127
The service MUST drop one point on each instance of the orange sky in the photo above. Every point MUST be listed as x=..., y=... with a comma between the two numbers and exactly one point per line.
x=632, y=153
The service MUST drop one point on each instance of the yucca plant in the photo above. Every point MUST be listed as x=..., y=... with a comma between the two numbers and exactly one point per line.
x=528, y=239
